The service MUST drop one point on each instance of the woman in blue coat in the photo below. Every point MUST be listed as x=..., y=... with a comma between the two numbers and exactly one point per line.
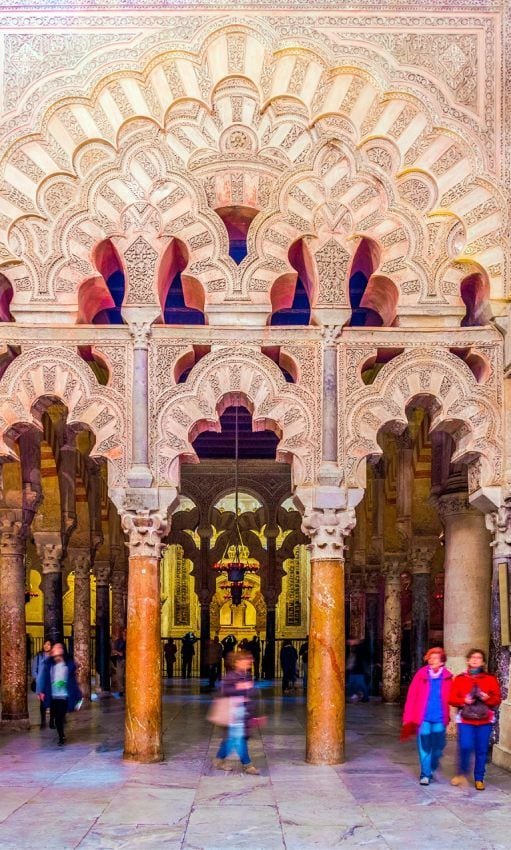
x=57, y=687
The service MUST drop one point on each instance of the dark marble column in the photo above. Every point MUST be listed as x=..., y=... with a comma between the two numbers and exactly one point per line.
x=103, y=647
x=391, y=673
x=12, y=620
x=372, y=586
x=422, y=555
x=49, y=549
x=80, y=563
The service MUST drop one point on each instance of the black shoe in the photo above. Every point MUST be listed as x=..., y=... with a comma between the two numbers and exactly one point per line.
x=62, y=742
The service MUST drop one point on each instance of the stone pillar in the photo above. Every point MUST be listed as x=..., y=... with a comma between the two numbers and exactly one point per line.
x=206, y=589
x=422, y=555
x=271, y=595
x=49, y=549
x=143, y=718
x=118, y=582
x=12, y=620
x=404, y=487
x=327, y=520
x=80, y=561
x=103, y=648
x=330, y=394
x=139, y=475
x=391, y=672
x=467, y=579
x=372, y=592
x=67, y=482
x=499, y=524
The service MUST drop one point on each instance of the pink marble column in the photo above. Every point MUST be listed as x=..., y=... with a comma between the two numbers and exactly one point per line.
x=327, y=520
x=12, y=620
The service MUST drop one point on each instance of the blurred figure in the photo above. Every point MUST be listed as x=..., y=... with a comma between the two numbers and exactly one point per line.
x=118, y=661
x=254, y=647
x=356, y=669
x=268, y=660
x=426, y=712
x=187, y=654
x=37, y=663
x=288, y=662
x=170, y=650
x=236, y=686
x=58, y=681
x=304, y=657
x=213, y=660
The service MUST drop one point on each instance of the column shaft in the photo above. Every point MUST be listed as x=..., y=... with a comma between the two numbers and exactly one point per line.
x=81, y=620
x=467, y=579
x=391, y=673
x=326, y=669
x=12, y=624
x=143, y=739
x=269, y=652
x=53, y=614
x=103, y=649
x=420, y=618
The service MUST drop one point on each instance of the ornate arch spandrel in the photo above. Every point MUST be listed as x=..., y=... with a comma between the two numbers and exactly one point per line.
x=442, y=382
x=228, y=376
x=57, y=372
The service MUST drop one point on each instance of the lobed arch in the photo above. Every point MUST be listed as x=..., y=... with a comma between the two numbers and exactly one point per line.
x=209, y=109
x=457, y=403
x=222, y=378
x=55, y=372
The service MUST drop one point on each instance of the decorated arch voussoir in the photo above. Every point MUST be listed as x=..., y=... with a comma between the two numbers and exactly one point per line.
x=223, y=378
x=57, y=373
x=442, y=383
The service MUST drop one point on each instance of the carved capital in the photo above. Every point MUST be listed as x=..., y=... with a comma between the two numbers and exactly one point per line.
x=102, y=573
x=12, y=532
x=145, y=531
x=327, y=529
x=140, y=333
x=79, y=559
x=453, y=503
x=392, y=567
x=499, y=523
x=423, y=551
x=330, y=334
x=50, y=550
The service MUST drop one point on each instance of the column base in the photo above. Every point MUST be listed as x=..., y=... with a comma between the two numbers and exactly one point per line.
x=501, y=756
x=20, y=724
x=143, y=758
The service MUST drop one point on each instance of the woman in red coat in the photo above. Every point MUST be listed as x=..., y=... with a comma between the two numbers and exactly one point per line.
x=426, y=711
x=475, y=693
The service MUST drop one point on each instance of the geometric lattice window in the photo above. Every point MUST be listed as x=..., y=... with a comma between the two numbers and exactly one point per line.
x=293, y=592
x=182, y=591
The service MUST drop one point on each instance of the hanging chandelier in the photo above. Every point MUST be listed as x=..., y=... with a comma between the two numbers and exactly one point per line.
x=235, y=562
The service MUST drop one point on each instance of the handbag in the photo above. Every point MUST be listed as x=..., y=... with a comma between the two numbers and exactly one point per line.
x=219, y=712
x=478, y=710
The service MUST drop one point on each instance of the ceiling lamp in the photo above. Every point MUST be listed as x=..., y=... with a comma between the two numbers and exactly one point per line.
x=235, y=562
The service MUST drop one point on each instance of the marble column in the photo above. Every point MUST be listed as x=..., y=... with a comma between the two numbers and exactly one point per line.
x=80, y=561
x=206, y=588
x=143, y=717
x=372, y=593
x=12, y=620
x=499, y=525
x=103, y=647
x=467, y=568
x=49, y=549
x=391, y=671
x=330, y=394
x=327, y=521
x=67, y=482
x=422, y=555
x=118, y=582
x=404, y=487
x=271, y=594
x=140, y=475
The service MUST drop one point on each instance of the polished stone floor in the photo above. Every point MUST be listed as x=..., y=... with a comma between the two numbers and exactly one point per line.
x=84, y=796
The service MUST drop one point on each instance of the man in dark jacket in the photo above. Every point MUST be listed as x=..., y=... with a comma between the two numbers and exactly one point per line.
x=56, y=681
x=288, y=662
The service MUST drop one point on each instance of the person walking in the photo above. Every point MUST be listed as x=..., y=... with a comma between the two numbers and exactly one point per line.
x=213, y=660
x=187, y=654
x=254, y=647
x=356, y=666
x=37, y=663
x=236, y=687
x=426, y=711
x=170, y=651
x=304, y=658
x=118, y=662
x=476, y=695
x=57, y=679
x=288, y=662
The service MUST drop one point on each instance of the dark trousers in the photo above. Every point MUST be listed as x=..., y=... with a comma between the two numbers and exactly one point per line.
x=187, y=668
x=170, y=669
x=288, y=680
x=59, y=708
x=214, y=671
x=473, y=739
